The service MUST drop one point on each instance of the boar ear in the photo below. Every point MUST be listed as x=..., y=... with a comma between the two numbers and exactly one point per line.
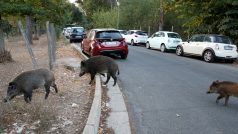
x=82, y=63
x=215, y=82
x=12, y=85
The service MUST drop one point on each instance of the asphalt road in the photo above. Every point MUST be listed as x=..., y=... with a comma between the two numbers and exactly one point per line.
x=166, y=94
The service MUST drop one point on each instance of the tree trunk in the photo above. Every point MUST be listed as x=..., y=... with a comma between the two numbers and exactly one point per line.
x=161, y=21
x=2, y=43
x=28, y=29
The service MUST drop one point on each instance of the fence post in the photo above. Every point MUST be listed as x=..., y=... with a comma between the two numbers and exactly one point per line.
x=49, y=44
x=53, y=36
x=28, y=45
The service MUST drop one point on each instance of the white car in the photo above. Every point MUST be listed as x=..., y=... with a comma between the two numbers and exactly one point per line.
x=134, y=37
x=209, y=47
x=67, y=32
x=164, y=40
x=123, y=33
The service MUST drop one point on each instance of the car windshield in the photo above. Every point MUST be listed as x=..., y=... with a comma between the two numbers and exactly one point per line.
x=222, y=39
x=108, y=34
x=141, y=33
x=173, y=35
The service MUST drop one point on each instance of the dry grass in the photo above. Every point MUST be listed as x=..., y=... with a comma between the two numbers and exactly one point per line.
x=42, y=115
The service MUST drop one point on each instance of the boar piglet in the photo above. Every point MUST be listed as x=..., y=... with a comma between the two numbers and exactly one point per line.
x=27, y=81
x=100, y=64
x=225, y=89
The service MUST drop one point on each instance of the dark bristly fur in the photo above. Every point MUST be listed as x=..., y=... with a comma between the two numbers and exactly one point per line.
x=100, y=64
x=27, y=81
x=225, y=89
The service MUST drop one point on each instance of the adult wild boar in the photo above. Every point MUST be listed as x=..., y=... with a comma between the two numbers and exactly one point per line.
x=100, y=64
x=225, y=89
x=27, y=81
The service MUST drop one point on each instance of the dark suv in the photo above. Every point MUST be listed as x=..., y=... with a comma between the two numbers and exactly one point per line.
x=103, y=42
x=76, y=34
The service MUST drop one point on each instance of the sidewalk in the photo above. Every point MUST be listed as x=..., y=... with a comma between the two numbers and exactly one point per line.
x=118, y=118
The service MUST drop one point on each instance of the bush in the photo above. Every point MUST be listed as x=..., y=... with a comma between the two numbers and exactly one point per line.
x=5, y=56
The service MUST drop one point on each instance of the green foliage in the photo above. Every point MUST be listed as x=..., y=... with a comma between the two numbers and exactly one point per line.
x=105, y=19
x=210, y=16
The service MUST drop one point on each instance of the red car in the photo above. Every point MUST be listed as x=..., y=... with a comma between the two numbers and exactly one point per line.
x=103, y=42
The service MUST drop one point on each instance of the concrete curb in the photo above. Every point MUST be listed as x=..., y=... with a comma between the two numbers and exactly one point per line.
x=118, y=118
x=95, y=111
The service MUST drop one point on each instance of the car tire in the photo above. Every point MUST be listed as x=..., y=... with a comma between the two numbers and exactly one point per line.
x=179, y=51
x=132, y=43
x=163, y=48
x=208, y=56
x=123, y=56
x=147, y=45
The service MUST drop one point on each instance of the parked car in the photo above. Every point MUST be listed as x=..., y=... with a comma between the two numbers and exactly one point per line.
x=123, y=33
x=209, y=47
x=67, y=32
x=134, y=37
x=103, y=42
x=63, y=32
x=164, y=40
x=76, y=34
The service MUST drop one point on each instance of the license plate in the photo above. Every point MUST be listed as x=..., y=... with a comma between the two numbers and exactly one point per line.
x=78, y=36
x=113, y=43
x=228, y=47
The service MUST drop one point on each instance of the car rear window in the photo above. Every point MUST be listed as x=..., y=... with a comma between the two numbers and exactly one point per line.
x=222, y=39
x=141, y=33
x=108, y=34
x=173, y=35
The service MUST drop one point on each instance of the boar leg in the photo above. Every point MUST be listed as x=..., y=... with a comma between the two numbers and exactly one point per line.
x=92, y=77
x=226, y=99
x=47, y=89
x=115, y=79
x=219, y=97
x=26, y=97
x=55, y=87
x=108, y=78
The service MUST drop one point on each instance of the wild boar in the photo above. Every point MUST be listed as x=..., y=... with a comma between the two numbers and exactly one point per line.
x=100, y=64
x=225, y=89
x=27, y=81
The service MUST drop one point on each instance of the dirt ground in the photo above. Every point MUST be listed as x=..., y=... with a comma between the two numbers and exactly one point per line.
x=63, y=112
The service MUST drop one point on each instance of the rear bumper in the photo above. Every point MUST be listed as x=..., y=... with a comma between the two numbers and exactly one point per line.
x=227, y=55
x=118, y=51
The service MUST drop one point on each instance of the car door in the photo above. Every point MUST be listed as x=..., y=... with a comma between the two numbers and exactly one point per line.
x=155, y=41
x=190, y=46
x=128, y=36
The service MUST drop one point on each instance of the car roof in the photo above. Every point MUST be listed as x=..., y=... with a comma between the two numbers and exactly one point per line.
x=76, y=27
x=210, y=34
x=105, y=29
x=166, y=31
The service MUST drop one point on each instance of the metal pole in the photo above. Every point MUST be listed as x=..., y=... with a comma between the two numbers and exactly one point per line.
x=118, y=13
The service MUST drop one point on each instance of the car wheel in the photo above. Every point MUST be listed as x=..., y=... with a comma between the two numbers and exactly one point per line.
x=208, y=56
x=132, y=43
x=147, y=45
x=163, y=48
x=179, y=51
x=123, y=56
